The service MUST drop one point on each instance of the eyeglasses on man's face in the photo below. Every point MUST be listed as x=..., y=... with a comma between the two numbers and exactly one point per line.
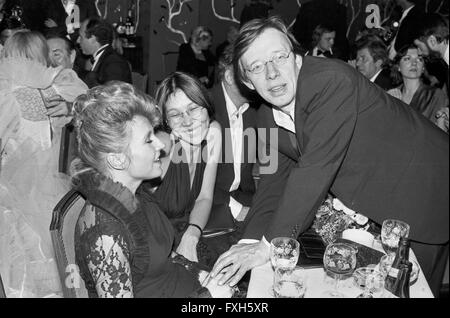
x=278, y=59
x=194, y=112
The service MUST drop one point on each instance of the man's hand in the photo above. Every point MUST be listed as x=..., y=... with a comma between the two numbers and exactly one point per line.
x=442, y=118
x=240, y=258
x=49, y=23
x=57, y=106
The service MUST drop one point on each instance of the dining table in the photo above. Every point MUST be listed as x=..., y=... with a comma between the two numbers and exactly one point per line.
x=318, y=282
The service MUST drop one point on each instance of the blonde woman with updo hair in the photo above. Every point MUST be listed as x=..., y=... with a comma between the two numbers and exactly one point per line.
x=195, y=57
x=35, y=102
x=123, y=241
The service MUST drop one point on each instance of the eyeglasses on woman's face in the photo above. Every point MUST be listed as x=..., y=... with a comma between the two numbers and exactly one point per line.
x=278, y=59
x=194, y=112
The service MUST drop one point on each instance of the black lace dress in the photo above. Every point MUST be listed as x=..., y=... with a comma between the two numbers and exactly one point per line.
x=123, y=245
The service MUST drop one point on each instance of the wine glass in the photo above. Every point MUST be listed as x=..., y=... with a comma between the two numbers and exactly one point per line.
x=339, y=259
x=284, y=252
x=370, y=280
x=391, y=232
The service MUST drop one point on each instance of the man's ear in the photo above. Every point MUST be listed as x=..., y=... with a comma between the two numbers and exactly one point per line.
x=432, y=42
x=379, y=64
x=229, y=77
x=117, y=161
x=73, y=54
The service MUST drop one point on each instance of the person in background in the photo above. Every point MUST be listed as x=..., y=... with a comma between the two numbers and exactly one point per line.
x=195, y=57
x=95, y=39
x=193, y=143
x=8, y=26
x=62, y=52
x=372, y=61
x=408, y=68
x=34, y=99
x=58, y=13
x=412, y=13
x=235, y=186
x=322, y=41
x=342, y=135
x=433, y=36
x=231, y=36
x=433, y=40
x=123, y=241
x=255, y=9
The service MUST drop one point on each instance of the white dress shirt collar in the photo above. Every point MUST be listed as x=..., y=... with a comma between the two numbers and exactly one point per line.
x=97, y=55
x=373, y=78
x=405, y=13
x=446, y=55
x=285, y=118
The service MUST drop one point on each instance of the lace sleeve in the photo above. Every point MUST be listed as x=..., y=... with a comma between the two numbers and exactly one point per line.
x=109, y=265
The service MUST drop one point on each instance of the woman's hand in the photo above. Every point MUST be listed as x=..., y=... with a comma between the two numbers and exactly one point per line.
x=442, y=118
x=188, y=244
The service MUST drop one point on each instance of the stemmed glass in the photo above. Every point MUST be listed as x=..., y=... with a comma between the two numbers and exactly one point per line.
x=284, y=252
x=339, y=259
x=391, y=232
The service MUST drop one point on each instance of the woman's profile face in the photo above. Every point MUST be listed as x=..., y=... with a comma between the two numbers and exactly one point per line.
x=188, y=121
x=411, y=65
x=143, y=150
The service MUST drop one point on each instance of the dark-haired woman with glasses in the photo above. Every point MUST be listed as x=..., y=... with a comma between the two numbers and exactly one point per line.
x=193, y=144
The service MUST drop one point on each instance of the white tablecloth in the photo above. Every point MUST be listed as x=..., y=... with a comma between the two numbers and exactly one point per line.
x=317, y=282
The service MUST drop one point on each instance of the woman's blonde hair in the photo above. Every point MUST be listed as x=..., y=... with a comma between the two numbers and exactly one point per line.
x=27, y=44
x=102, y=118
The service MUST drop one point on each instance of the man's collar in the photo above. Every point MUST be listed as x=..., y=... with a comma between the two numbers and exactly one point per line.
x=445, y=57
x=99, y=51
x=405, y=13
x=232, y=109
x=373, y=78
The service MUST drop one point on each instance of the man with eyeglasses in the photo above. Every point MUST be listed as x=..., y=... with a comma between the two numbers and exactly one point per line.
x=338, y=133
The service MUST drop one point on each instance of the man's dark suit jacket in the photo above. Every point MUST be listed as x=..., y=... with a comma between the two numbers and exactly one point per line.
x=384, y=80
x=220, y=214
x=54, y=10
x=372, y=151
x=110, y=67
x=408, y=30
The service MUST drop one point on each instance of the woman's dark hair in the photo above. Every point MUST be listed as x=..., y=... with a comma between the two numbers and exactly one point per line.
x=190, y=85
x=395, y=73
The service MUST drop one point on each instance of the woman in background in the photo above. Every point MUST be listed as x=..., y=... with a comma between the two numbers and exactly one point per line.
x=195, y=58
x=408, y=69
x=123, y=241
x=31, y=95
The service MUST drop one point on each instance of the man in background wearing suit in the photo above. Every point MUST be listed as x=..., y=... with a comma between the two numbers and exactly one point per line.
x=371, y=61
x=96, y=37
x=57, y=13
x=235, y=186
x=373, y=152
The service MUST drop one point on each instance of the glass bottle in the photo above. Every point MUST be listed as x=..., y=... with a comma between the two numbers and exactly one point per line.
x=401, y=286
x=401, y=255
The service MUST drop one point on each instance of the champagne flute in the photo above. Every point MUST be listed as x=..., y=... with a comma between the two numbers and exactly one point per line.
x=339, y=259
x=391, y=232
